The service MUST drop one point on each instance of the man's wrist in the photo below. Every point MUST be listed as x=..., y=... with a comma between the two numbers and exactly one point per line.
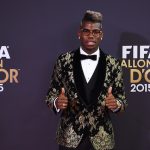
x=119, y=105
x=57, y=110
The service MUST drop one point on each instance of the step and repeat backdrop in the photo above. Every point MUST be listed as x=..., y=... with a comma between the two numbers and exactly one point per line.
x=34, y=33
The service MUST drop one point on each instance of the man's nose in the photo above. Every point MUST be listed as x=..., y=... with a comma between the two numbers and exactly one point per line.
x=91, y=34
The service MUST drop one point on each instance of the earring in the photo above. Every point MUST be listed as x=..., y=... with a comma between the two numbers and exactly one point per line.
x=79, y=37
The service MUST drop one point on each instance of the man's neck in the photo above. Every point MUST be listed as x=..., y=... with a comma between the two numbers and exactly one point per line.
x=89, y=52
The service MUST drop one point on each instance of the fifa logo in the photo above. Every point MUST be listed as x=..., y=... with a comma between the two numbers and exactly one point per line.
x=6, y=75
x=136, y=58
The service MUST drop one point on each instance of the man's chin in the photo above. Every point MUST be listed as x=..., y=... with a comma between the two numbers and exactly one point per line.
x=90, y=49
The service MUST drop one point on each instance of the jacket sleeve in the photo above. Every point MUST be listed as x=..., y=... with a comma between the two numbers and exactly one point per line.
x=118, y=86
x=55, y=84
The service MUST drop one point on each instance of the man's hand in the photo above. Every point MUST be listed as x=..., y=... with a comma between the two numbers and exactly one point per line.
x=62, y=100
x=110, y=101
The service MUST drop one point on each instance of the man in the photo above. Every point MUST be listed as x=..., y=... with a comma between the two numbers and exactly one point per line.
x=86, y=86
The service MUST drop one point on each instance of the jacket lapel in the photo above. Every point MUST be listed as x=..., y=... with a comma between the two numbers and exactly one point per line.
x=78, y=77
x=100, y=78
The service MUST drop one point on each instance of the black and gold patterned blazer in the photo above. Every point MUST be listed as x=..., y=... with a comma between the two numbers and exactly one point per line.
x=79, y=118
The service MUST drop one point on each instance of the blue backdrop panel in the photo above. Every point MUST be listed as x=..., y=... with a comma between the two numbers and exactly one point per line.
x=34, y=33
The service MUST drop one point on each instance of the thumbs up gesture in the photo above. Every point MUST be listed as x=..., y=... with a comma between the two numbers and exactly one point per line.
x=110, y=101
x=62, y=100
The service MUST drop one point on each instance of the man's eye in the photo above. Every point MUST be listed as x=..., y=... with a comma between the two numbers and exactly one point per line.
x=96, y=31
x=85, y=30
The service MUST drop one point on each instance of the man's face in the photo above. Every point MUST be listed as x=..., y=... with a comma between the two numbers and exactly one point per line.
x=90, y=36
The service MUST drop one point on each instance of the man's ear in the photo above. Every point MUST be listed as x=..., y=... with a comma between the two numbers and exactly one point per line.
x=102, y=35
x=79, y=34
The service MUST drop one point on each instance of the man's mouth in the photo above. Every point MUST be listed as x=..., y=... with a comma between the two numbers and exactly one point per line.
x=90, y=43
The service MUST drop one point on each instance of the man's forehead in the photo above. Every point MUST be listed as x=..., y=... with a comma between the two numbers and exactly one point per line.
x=91, y=25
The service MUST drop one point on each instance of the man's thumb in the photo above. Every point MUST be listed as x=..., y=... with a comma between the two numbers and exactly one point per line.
x=62, y=91
x=110, y=90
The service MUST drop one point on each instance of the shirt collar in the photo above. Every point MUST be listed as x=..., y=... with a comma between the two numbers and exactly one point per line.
x=97, y=52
